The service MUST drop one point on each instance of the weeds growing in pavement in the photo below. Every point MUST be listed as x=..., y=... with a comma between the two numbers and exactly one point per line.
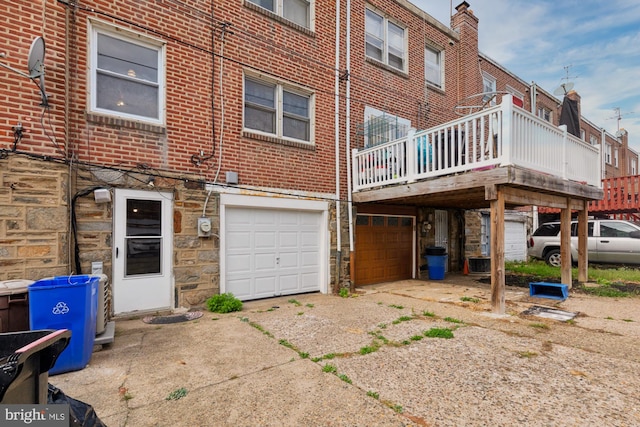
x=177, y=394
x=373, y=394
x=438, y=333
x=469, y=299
x=453, y=320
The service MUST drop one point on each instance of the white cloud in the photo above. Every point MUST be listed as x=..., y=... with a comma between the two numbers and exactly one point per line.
x=600, y=41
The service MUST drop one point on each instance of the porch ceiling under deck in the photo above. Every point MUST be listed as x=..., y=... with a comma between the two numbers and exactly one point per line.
x=475, y=189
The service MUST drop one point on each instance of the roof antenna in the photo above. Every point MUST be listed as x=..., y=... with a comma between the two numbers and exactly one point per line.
x=35, y=64
x=564, y=88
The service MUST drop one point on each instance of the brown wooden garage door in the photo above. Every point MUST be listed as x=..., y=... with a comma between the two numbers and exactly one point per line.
x=384, y=248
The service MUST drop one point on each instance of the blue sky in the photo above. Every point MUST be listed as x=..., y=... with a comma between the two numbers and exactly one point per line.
x=537, y=39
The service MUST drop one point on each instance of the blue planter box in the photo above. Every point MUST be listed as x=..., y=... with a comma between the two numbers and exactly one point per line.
x=549, y=290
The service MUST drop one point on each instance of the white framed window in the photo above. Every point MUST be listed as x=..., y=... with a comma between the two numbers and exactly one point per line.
x=296, y=11
x=277, y=109
x=593, y=140
x=607, y=153
x=544, y=113
x=126, y=74
x=385, y=41
x=433, y=66
x=634, y=167
x=615, y=157
x=583, y=135
x=488, y=85
x=380, y=127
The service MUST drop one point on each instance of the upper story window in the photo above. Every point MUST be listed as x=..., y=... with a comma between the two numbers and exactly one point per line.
x=433, y=66
x=488, y=85
x=615, y=157
x=583, y=135
x=634, y=167
x=276, y=109
x=296, y=11
x=544, y=113
x=593, y=140
x=607, y=153
x=385, y=41
x=126, y=75
x=380, y=127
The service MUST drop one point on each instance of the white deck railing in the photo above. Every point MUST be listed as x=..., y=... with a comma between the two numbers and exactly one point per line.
x=498, y=136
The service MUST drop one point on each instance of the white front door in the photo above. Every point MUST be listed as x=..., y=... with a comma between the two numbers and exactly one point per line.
x=142, y=248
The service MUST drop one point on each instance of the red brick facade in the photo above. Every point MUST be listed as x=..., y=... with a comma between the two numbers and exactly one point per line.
x=209, y=47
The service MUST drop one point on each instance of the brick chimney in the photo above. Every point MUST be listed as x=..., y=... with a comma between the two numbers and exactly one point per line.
x=465, y=23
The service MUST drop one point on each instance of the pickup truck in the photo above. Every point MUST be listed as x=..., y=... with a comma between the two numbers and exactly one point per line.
x=609, y=241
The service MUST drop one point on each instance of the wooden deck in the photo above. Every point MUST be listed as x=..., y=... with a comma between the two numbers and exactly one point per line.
x=499, y=158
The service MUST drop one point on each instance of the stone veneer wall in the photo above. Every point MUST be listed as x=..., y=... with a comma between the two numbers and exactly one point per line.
x=34, y=218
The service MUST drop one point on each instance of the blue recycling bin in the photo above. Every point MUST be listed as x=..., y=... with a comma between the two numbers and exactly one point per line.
x=67, y=302
x=436, y=265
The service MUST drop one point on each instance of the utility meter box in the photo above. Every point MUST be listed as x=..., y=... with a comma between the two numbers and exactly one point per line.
x=204, y=227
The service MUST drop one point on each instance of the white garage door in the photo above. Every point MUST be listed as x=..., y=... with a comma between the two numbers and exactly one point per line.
x=515, y=241
x=272, y=252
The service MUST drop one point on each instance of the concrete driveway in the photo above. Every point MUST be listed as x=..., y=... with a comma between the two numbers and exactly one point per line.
x=367, y=360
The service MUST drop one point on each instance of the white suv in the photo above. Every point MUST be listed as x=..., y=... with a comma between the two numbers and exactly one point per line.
x=609, y=241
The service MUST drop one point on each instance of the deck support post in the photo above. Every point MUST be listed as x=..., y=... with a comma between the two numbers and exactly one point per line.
x=497, y=252
x=565, y=244
x=583, y=259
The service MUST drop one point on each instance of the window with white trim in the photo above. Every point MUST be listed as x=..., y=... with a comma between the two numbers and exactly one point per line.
x=126, y=75
x=634, y=166
x=433, y=60
x=544, y=113
x=381, y=127
x=615, y=157
x=277, y=109
x=385, y=41
x=593, y=140
x=296, y=11
x=607, y=153
x=583, y=135
x=488, y=85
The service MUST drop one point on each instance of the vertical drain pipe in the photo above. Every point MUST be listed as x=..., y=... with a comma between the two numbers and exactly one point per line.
x=337, y=148
x=348, y=146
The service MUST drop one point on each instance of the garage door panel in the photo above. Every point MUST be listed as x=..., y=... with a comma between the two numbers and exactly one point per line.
x=288, y=239
x=265, y=240
x=270, y=252
x=238, y=263
x=263, y=262
x=238, y=240
x=241, y=287
x=265, y=285
x=384, y=248
x=289, y=260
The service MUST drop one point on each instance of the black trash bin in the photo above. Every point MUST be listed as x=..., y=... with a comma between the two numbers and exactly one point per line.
x=25, y=360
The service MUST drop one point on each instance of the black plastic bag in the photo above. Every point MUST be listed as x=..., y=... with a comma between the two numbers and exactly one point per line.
x=82, y=414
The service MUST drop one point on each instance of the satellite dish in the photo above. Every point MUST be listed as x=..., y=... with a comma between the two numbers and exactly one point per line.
x=563, y=89
x=35, y=64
